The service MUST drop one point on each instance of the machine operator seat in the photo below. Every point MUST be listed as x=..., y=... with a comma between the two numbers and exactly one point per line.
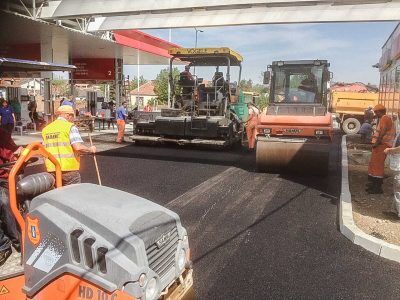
x=308, y=90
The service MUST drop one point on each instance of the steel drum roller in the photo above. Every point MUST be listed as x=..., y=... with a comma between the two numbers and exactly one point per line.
x=292, y=155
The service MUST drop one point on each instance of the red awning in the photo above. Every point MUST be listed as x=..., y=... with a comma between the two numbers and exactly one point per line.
x=143, y=41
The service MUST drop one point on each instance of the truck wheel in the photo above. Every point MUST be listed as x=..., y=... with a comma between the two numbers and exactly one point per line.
x=351, y=126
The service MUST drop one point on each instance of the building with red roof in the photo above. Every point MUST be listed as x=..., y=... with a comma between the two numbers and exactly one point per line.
x=141, y=96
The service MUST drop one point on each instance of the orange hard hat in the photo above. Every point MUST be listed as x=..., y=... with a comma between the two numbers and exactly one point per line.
x=65, y=109
x=379, y=107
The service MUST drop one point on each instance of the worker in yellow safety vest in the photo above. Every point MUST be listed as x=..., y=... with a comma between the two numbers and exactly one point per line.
x=62, y=139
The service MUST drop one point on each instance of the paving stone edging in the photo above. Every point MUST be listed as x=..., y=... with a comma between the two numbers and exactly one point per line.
x=347, y=226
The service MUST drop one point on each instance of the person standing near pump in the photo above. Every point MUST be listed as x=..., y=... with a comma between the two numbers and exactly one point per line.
x=7, y=116
x=32, y=106
x=63, y=140
x=9, y=234
x=382, y=138
x=121, y=119
x=251, y=125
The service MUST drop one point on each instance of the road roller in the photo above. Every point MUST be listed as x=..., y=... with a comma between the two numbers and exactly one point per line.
x=295, y=132
x=87, y=241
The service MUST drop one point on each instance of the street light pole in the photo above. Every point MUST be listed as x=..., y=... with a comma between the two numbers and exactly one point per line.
x=197, y=31
x=169, y=69
x=195, y=46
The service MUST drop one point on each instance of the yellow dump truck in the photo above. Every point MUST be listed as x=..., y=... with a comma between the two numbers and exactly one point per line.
x=349, y=108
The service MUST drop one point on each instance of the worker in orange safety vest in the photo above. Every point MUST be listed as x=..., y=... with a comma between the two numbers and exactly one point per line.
x=382, y=138
x=251, y=125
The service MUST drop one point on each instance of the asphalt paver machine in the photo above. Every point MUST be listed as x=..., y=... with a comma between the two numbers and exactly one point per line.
x=87, y=241
x=200, y=112
x=296, y=130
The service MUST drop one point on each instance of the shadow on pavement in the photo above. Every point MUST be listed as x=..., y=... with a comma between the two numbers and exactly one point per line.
x=238, y=157
x=173, y=153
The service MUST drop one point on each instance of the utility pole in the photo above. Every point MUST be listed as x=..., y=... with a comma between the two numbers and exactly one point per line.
x=169, y=70
x=138, y=79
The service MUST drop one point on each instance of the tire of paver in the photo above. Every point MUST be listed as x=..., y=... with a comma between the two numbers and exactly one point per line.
x=351, y=125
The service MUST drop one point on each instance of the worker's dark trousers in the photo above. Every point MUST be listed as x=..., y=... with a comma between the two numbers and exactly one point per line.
x=69, y=177
x=8, y=127
x=8, y=228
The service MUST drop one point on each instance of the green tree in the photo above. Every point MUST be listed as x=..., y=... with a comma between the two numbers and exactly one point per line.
x=60, y=87
x=161, y=84
x=259, y=88
x=133, y=83
x=263, y=91
x=246, y=85
x=296, y=79
x=152, y=102
x=262, y=101
x=111, y=90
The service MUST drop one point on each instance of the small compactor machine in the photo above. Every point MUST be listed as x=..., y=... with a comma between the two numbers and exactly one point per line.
x=86, y=241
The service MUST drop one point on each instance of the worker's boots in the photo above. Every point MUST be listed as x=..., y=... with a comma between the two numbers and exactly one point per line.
x=370, y=182
x=374, y=186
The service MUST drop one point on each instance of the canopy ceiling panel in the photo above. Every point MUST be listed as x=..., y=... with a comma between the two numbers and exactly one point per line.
x=138, y=14
x=254, y=15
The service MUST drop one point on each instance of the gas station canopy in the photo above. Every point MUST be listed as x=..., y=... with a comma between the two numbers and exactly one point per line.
x=27, y=38
x=10, y=67
x=138, y=14
x=16, y=65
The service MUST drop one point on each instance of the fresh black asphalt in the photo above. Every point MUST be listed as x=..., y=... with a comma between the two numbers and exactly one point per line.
x=253, y=236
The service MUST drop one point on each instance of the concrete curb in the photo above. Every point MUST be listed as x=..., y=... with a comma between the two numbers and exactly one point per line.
x=347, y=226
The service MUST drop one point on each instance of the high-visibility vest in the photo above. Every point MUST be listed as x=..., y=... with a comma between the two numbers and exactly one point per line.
x=254, y=112
x=390, y=134
x=56, y=140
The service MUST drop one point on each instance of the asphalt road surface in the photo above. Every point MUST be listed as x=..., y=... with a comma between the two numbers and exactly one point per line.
x=252, y=235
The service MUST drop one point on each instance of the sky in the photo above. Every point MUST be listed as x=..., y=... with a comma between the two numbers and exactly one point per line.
x=351, y=48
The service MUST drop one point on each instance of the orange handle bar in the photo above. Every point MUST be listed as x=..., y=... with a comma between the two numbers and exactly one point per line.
x=33, y=149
